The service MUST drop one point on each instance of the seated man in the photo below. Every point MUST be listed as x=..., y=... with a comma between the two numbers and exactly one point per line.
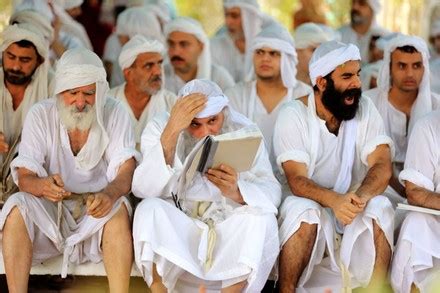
x=334, y=152
x=416, y=263
x=75, y=164
x=24, y=80
x=143, y=93
x=221, y=229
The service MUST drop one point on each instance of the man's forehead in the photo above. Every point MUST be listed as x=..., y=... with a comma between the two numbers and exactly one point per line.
x=267, y=49
x=149, y=56
x=178, y=36
x=21, y=51
x=406, y=57
x=349, y=66
x=234, y=9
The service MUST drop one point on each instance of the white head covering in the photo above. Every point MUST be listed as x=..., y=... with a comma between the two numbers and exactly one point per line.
x=383, y=40
x=157, y=7
x=138, y=21
x=80, y=67
x=435, y=28
x=278, y=38
x=38, y=88
x=216, y=99
x=69, y=4
x=311, y=35
x=330, y=55
x=34, y=18
x=138, y=45
x=375, y=6
x=368, y=72
x=423, y=103
x=191, y=26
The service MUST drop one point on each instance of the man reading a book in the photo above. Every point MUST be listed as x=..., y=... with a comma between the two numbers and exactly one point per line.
x=218, y=228
x=416, y=262
x=75, y=164
x=335, y=155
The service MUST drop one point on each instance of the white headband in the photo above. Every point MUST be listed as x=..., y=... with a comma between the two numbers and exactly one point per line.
x=138, y=45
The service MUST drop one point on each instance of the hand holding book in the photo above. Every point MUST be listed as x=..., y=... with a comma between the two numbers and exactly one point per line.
x=225, y=178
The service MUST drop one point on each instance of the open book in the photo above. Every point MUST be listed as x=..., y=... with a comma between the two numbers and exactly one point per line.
x=408, y=207
x=236, y=149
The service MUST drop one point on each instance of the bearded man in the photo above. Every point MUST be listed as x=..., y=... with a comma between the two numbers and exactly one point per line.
x=336, y=157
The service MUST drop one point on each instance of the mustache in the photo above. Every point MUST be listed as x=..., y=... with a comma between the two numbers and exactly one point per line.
x=353, y=93
x=15, y=72
x=156, y=78
x=177, y=58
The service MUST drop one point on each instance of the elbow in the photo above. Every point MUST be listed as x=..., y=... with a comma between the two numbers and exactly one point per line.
x=414, y=198
x=295, y=185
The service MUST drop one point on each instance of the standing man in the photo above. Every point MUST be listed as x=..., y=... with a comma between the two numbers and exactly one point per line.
x=336, y=158
x=403, y=96
x=362, y=26
x=25, y=80
x=75, y=164
x=190, y=57
x=274, y=65
x=142, y=93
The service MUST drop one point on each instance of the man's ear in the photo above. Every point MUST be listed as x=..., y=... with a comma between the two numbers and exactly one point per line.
x=201, y=46
x=321, y=83
x=126, y=72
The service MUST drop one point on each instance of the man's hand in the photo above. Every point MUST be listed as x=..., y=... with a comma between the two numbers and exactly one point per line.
x=4, y=147
x=184, y=111
x=347, y=207
x=225, y=178
x=99, y=204
x=52, y=188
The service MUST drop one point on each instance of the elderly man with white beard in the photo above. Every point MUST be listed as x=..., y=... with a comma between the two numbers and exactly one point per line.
x=75, y=164
x=335, y=155
x=220, y=228
x=143, y=93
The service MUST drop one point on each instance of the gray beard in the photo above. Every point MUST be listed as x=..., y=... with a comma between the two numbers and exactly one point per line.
x=72, y=119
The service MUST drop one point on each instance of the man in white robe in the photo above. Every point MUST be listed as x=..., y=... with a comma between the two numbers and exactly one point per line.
x=132, y=21
x=190, y=57
x=24, y=80
x=416, y=261
x=336, y=158
x=142, y=93
x=308, y=37
x=362, y=26
x=75, y=164
x=403, y=96
x=220, y=228
x=243, y=20
x=274, y=65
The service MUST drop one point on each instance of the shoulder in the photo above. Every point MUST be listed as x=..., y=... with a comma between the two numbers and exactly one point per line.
x=115, y=92
x=294, y=110
x=367, y=110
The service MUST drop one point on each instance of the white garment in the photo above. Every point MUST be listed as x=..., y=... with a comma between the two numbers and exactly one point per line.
x=368, y=72
x=396, y=122
x=311, y=34
x=361, y=41
x=219, y=75
x=162, y=101
x=223, y=51
x=417, y=256
x=45, y=150
x=434, y=67
x=112, y=49
x=300, y=136
x=246, y=245
x=243, y=98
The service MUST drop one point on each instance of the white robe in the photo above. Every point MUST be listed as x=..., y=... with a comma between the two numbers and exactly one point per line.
x=112, y=49
x=224, y=52
x=243, y=98
x=417, y=255
x=348, y=35
x=219, y=75
x=162, y=101
x=45, y=149
x=293, y=142
x=247, y=243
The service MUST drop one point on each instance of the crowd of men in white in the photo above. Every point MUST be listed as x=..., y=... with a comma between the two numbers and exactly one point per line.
x=317, y=209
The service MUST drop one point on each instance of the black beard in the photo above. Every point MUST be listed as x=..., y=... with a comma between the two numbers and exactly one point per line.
x=17, y=77
x=334, y=101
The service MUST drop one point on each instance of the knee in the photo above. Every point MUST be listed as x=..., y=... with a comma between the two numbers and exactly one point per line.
x=306, y=231
x=14, y=217
x=149, y=205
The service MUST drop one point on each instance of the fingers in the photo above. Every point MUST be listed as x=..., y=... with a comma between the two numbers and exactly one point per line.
x=58, y=180
x=4, y=147
x=99, y=205
x=94, y=204
x=222, y=175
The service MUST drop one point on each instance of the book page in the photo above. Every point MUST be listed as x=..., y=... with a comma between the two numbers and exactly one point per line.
x=408, y=207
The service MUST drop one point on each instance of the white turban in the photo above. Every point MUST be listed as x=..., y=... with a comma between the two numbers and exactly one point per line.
x=138, y=45
x=80, y=67
x=157, y=7
x=193, y=27
x=69, y=4
x=38, y=89
x=375, y=6
x=34, y=18
x=311, y=35
x=435, y=28
x=38, y=5
x=138, y=21
x=423, y=103
x=382, y=41
x=216, y=99
x=330, y=55
x=278, y=38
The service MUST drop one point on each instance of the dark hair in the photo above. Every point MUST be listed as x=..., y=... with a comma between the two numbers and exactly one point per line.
x=29, y=44
x=407, y=49
x=327, y=78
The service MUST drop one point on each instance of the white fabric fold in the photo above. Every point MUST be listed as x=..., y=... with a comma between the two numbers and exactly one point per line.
x=138, y=21
x=138, y=45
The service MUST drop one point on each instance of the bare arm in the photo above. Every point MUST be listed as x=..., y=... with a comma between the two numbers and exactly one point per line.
x=378, y=175
x=395, y=184
x=422, y=197
x=345, y=206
